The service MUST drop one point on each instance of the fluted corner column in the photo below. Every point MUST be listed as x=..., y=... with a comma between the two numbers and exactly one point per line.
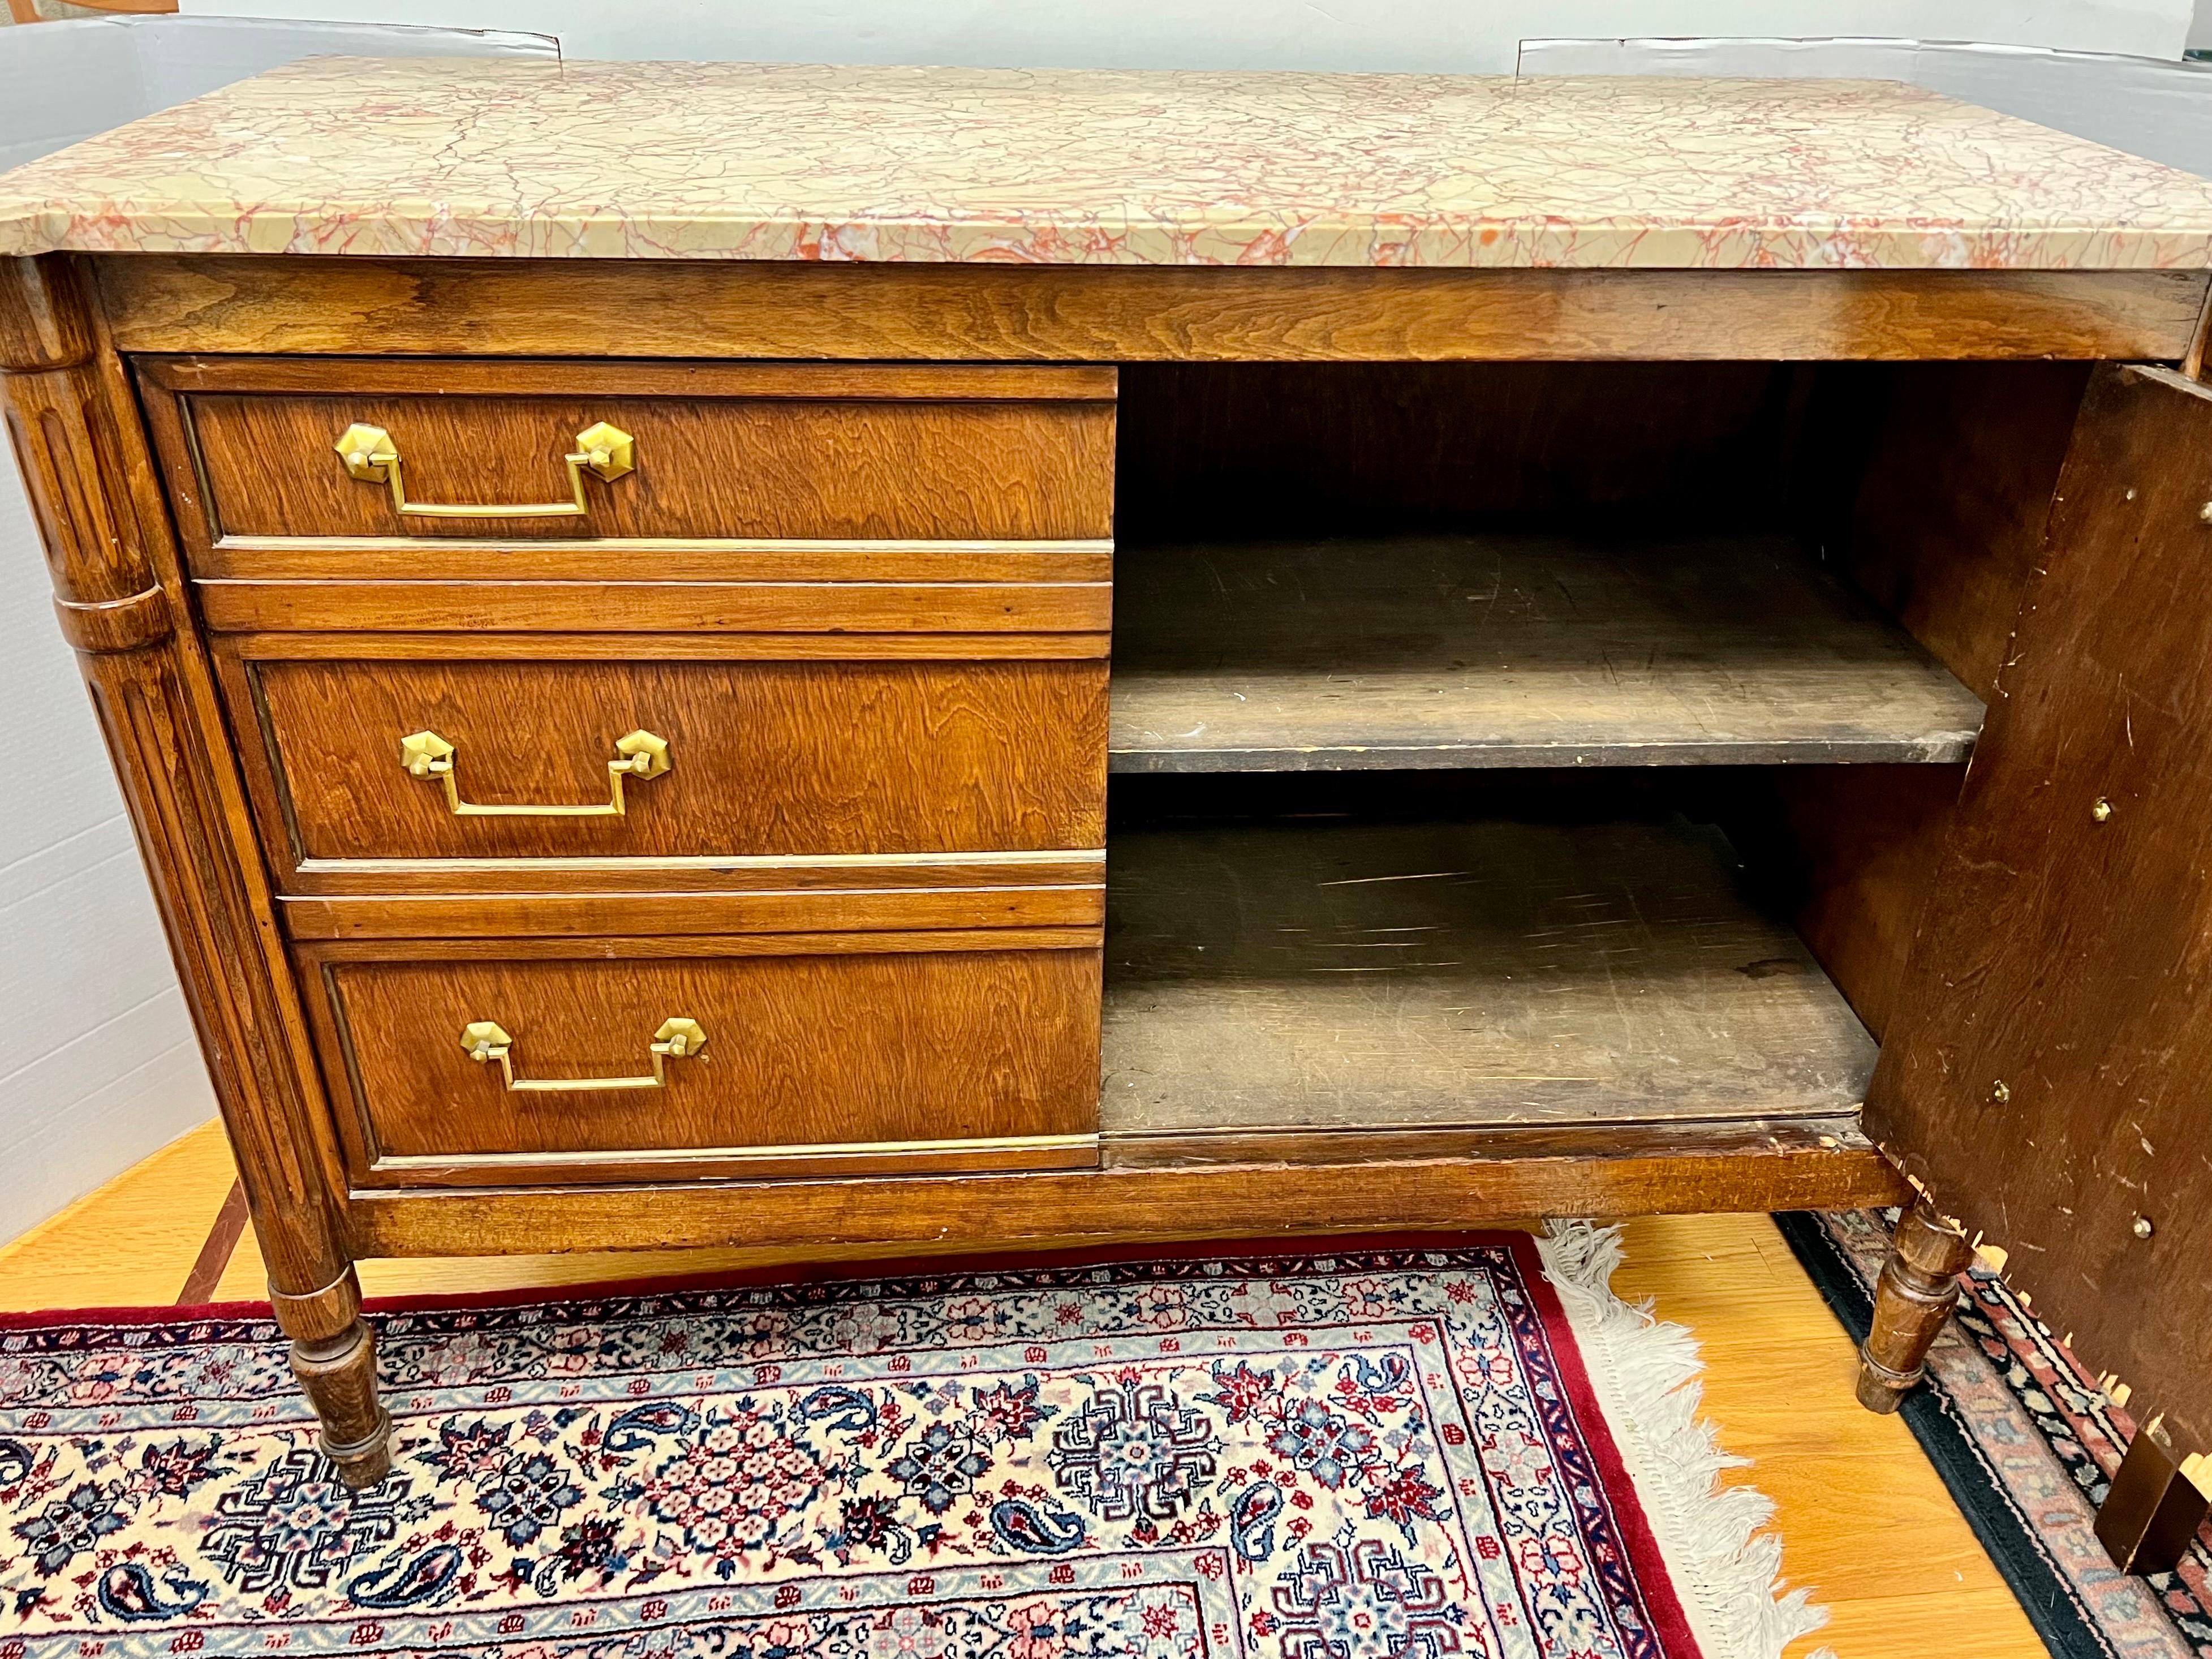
x=89, y=472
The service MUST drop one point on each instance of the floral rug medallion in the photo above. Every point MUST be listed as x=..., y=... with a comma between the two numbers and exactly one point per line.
x=1387, y=1449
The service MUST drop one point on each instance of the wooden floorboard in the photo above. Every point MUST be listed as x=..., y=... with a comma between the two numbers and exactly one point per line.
x=1495, y=650
x=134, y=1242
x=1862, y=1517
x=1301, y=975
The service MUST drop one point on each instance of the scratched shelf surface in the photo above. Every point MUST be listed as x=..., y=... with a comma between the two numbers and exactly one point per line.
x=1333, y=974
x=1491, y=651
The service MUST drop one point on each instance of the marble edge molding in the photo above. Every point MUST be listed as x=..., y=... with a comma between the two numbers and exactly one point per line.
x=314, y=229
x=490, y=158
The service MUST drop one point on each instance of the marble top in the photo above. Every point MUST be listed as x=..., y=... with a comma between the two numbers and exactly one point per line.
x=460, y=157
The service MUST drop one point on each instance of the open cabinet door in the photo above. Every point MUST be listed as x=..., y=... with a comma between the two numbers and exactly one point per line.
x=2046, y=1078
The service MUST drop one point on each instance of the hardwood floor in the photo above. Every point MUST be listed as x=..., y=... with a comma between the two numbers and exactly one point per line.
x=1864, y=1519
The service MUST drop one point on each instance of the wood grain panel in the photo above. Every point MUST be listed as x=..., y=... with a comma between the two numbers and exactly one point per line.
x=789, y=908
x=1130, y=314
x=766, y=758
x=862, y=1050
x=1294, y=975
x=1847, y=851
x=340, y=646
x=653, y=608
x=502, y=948
x=1513, y=651
x=719, y=466
x=2043, y=1076
x=1240, y=452
x=893, y=879
x=494, y=376
x=1953, y=499
x=653, y=559
x=1929, y=486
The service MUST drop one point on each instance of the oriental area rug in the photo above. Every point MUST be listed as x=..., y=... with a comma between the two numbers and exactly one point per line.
x=1386, y=1447
x=2026, y=1442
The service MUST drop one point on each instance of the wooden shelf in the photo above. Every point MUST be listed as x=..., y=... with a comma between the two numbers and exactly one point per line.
x=1483, y=651
x=1339, y=976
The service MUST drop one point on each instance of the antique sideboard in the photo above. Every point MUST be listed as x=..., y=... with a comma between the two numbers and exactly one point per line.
x=617, y=595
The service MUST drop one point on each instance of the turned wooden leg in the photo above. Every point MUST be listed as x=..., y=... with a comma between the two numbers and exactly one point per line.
x=1917, y=1288
x=2151, y=1512
x=334, y=1356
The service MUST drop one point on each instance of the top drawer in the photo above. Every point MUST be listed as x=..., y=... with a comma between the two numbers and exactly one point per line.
x=570, y=451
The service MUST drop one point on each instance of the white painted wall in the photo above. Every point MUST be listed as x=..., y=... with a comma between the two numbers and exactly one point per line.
x=98, y=1063
x=1461, y=36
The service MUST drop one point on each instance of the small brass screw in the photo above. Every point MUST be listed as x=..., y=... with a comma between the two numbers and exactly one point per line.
x=2142, y=1227
x=2205, y=512
x=2101, y=810
x=1999, y=1092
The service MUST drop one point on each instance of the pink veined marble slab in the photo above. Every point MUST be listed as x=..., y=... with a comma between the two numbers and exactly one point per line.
x=767, y=161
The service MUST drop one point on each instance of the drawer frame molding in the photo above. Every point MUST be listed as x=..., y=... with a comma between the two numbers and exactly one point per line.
x=374, y=1165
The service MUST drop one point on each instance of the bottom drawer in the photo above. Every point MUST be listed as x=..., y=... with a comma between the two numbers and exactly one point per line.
x=528, y=1062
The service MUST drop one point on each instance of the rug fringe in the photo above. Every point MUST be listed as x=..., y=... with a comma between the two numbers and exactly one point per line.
x=1727, y=1571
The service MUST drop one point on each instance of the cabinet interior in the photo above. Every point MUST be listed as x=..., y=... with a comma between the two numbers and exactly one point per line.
x=1543, y=745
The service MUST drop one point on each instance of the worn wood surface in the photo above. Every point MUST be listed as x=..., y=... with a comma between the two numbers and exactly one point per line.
x=1300, y=975
x=764, y=759
x=1846, y=852
x=720, y=453
x=870, y=1050
x=1619, y=1171
x=2042, y=1075
x=1929, y=485
x=1954, y=496
x=1136, y=1147
x=1512, y=651
x=1104, y=313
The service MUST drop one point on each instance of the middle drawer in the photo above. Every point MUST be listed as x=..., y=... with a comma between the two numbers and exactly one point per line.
x=407, y=748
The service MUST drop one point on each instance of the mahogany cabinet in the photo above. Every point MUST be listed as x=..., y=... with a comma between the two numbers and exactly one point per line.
x=985, y=755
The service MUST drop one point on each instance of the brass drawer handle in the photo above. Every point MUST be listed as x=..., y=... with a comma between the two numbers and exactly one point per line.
x=606, y=451
x=677, y=1039
x=640, y=754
